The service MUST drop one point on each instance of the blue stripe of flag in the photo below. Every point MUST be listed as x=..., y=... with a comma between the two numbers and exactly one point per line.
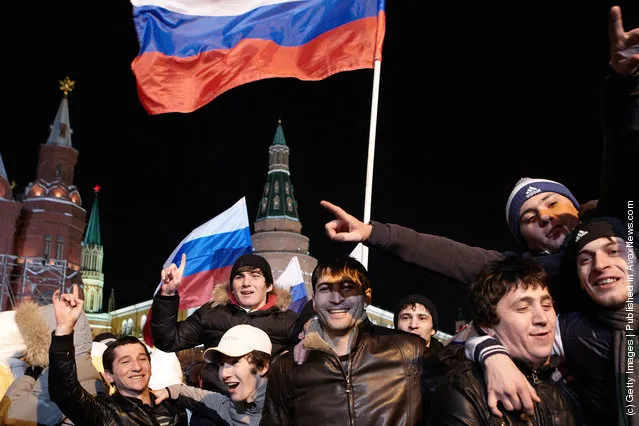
x=214, y=251
x=286, y=24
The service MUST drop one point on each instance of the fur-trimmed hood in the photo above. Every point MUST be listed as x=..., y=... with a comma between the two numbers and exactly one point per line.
x=277, y=297
x=36, y=324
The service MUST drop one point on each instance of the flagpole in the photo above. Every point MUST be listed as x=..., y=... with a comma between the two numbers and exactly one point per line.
x=371, y=155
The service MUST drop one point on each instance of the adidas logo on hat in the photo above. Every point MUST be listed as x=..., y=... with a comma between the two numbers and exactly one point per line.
x=532, y=191
x=580, y=234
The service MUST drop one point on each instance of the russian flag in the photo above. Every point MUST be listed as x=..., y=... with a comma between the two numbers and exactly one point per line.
x=191, y=51
x=293, y=281
x=211, y=249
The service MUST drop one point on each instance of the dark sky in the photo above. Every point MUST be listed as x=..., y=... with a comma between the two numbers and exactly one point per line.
x=472, y=98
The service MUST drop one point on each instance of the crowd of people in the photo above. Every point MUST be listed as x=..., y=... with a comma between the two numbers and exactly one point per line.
x=551, y=339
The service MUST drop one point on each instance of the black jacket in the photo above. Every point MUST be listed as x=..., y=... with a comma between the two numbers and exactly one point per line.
x=84, y=409
x=381, y=384
x=461, y=400
x=590, y=370
x=207, y=324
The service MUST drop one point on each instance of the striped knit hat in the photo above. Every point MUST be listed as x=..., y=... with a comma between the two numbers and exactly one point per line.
x=525, y=189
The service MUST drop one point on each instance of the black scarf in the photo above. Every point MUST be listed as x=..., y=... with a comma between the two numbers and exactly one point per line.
x=617, y=320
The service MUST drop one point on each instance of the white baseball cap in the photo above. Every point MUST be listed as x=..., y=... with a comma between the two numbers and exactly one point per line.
x=239, y=341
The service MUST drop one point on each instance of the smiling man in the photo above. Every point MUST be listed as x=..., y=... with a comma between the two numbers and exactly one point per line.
x=242, y=357
x=509, y=302
x=356, y=373
x=127, y=366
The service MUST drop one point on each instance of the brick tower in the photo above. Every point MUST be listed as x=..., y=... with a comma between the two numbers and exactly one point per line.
x=277, y=236
x=50, y=227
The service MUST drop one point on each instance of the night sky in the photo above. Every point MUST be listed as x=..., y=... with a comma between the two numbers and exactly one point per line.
x=472, y=98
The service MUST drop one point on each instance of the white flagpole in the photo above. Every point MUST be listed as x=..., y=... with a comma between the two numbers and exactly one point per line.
x=371, y=155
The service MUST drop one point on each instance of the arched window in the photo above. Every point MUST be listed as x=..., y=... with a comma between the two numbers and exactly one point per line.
x=142, y=321
x=59, y=248
x=47, y=246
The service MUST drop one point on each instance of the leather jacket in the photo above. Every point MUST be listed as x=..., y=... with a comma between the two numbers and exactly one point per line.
x=461, y=399
x=104, y=410
x=378, y=383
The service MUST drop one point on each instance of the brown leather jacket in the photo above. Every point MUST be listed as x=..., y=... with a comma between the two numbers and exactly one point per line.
x=379, y=384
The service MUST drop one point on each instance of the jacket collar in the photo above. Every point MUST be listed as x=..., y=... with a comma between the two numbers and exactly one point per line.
x=129, y=404
x=315, y=338
x=545, y=370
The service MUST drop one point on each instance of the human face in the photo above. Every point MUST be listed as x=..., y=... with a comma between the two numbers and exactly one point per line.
x=131, y=370
x=526, y=326
x=545, y=220
x=250, y=289
x=416, y=319
x=602, y=266
x=339, y=303
x=240, y=377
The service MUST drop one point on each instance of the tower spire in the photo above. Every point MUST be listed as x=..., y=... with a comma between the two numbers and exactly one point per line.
x=92, y=234
x=60, y=129
x=278, y=201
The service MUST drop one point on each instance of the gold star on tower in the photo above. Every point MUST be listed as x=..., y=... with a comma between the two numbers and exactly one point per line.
x=66, y=85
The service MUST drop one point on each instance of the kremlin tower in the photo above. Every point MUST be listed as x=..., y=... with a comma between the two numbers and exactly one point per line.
x=42, y=249
x=92, y=255
x=277, y=228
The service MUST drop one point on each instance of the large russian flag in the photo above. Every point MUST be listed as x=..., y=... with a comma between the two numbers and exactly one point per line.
x=292, y=280
x=194, y=50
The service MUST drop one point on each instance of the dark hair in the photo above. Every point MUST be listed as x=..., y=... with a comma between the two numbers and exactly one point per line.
x=342, y=265
x=496, y=279
x=411, y=301
x=259, y=359
x=109, y=353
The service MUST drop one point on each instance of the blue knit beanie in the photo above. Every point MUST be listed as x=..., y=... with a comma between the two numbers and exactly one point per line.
x=527, y=188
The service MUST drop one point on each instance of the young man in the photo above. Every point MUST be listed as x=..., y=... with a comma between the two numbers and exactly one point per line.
x=249, y=298
x=126, y=365
x=356, y=372
x=511, y=303
x=538, y=224
x=595, y=342
x=417, y=314
x=243, y=358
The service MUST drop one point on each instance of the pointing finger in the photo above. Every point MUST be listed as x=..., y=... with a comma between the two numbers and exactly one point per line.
x=615, y=27
x=182, y=264
x=337, y=211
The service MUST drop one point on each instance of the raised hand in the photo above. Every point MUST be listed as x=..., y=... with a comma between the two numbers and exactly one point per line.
x=172, y=276
x=624, y=46
x=68, y=307
x=345, y=227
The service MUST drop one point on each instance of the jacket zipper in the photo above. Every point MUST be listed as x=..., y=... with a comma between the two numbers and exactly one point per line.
x=535, y=381
x=349, y=391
